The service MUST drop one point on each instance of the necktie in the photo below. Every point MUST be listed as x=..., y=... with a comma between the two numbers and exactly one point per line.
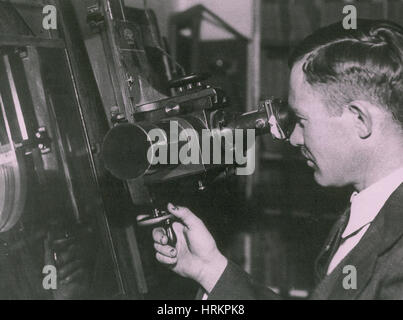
x=332, y=244
x=337, y=240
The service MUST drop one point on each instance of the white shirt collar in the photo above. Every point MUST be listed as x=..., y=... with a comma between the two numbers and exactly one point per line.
x=366, y=204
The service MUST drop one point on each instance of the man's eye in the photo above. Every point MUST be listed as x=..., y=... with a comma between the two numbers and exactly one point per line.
x=300, y=122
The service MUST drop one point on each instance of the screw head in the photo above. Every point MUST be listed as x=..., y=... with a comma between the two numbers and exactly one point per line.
x=260, y=124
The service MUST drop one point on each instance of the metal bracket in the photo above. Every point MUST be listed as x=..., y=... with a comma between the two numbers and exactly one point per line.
x=95, y=16
x=41, y=141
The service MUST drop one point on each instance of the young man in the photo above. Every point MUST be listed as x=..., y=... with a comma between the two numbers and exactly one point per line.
x=346, y=89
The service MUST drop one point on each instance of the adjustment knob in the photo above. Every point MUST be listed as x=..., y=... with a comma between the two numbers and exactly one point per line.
x=188, y=82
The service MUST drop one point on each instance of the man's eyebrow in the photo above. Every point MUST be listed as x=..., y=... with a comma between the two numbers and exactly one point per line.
x=298, y=113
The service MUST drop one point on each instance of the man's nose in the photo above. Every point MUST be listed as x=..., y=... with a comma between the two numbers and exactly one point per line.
x=296, y=138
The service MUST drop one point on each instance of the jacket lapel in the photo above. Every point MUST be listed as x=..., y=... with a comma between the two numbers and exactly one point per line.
x=363, y=258
x=384, y=231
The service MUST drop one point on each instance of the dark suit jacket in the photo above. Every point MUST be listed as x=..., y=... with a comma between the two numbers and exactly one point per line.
x=378, y=259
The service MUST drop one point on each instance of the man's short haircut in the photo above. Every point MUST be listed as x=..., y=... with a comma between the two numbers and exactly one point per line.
x=357, y=64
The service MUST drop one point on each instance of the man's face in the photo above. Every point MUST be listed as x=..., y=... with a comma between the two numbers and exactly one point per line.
x=326, y=140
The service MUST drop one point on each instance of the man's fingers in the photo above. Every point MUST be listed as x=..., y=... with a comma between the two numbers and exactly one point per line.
x=69, y=269
x=142, y=216
x=184, y=214
x=75, y=276
x=68, y=254
x=167, y=251
x=63, y=244
x=160, y=236
x=166, y=260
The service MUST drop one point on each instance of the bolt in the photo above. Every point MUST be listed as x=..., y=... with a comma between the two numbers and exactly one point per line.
x=22, y=53
x=172, y=109
x=201, y=185
x=260, y=124
x=120, y=117
x=130, y=81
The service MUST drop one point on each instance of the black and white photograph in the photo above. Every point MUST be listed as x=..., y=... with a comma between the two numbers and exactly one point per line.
x=214, y=151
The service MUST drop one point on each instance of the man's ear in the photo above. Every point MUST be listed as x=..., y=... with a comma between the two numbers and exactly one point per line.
x=362, y=118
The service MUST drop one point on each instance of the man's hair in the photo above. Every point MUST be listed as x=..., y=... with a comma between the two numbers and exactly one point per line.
x=357, y=64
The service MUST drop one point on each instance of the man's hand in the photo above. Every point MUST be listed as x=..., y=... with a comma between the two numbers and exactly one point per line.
x=196, y=255
x=72, y=271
